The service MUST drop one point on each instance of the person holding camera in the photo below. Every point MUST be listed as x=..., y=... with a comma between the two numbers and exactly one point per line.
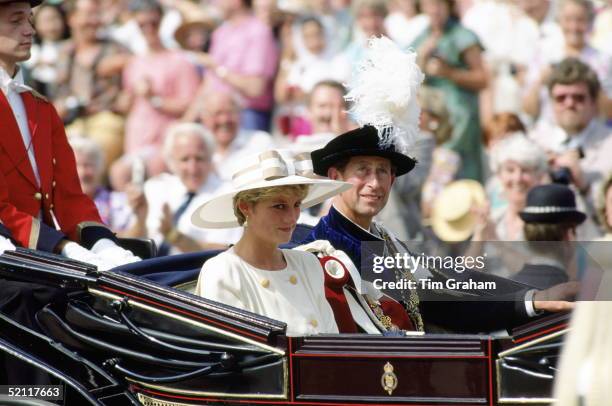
x=580, y=146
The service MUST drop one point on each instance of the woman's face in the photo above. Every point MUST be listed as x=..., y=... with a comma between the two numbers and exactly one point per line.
x=516, y=180
x=609, y=207
x=196, y=39
x=314, y=37
x=273, y=220
x=370, y=22
x=49, y=24
x=437, y=11
x=574, y=22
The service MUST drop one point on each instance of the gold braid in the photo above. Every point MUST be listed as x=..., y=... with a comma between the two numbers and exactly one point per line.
x=410, y=299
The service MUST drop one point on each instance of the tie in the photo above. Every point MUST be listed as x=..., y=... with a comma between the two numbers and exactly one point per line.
x=181, y=209
x=164, y=248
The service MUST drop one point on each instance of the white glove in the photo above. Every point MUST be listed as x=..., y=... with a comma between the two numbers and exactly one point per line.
x=73, y=250
x=111, y=252
x=6, y=245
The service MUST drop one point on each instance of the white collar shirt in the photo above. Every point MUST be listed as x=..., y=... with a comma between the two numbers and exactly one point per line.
x=12, y=89
x=168, y=189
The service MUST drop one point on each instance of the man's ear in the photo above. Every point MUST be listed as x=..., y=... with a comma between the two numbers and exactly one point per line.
x=393, y=177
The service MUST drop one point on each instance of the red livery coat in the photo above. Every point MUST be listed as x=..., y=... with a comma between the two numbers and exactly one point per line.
x=59, y=194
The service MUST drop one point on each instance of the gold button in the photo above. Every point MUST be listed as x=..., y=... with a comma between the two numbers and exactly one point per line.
x=47, y=196
x=54, y=161
x=53, y=184
x=314, y=323
x=38, y=196
x=265, y=283
x=293, y=279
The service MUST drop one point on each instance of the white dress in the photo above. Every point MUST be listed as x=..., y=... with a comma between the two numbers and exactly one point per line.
x=294, y=295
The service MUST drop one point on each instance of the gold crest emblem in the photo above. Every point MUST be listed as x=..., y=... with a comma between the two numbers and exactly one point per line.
x=388, y=379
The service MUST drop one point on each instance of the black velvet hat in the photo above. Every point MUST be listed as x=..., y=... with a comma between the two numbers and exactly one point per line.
x=33, y=3
x=361, y=141
x=551, y=204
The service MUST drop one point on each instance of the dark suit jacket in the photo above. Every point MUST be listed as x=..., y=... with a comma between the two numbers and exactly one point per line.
x=541, y=276
x=473, y=311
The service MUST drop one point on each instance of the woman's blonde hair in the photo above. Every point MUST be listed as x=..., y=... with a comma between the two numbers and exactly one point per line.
x=254, y=196
x=589, y=340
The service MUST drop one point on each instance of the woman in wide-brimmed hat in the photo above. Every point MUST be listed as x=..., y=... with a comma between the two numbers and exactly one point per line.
x=255, y=274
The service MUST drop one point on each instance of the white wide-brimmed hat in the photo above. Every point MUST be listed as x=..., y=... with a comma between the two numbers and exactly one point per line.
x=267, y=169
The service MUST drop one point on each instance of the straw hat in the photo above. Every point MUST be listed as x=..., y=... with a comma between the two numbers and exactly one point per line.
x=452, y=218
x=268, y=169
x=197, y=19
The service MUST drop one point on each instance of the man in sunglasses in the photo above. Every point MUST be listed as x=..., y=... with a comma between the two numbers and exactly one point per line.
x=581, y=145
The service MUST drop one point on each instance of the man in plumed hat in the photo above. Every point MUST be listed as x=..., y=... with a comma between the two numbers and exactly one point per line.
x=551, y=219
x=371, y=157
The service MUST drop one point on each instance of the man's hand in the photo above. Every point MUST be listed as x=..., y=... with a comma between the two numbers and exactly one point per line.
x=73, y=250
x=167, y=224
x=110, y=252
x=558, y=298
x=137, y=201
x=484, y=228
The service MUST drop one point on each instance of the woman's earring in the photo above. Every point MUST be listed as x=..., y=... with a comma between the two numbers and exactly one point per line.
x=246, y=222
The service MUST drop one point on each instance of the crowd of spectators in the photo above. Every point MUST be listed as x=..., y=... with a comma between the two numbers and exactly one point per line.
x=161, y=97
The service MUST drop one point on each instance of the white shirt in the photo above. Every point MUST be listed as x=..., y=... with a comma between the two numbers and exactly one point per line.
x=168, y=189
x=405, y=30
x=12, y=87
x=244, y=146
x=311, y=69
x=294, y=295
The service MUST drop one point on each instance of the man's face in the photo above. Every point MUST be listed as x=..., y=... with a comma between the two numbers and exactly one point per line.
x=16, y=32
x=372, y=178
x=85, y=19
x=573, y=106
x=221, y=117
x=325, y=103
x=89, y=172
x=190, y=161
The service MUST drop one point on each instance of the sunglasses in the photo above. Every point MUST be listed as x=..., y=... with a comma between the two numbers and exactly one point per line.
x=576, y=97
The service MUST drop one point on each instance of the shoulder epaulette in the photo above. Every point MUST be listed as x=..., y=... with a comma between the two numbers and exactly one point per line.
x=38, y=95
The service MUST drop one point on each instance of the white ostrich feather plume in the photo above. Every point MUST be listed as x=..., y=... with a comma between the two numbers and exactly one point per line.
x=384, y=91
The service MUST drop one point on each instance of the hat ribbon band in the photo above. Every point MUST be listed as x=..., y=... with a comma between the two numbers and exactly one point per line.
x=547, y=209
x=271, y=165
